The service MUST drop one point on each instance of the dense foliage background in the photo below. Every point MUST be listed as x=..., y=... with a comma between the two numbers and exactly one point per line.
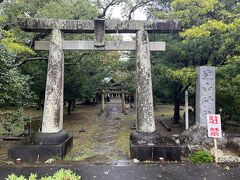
x=210, y=36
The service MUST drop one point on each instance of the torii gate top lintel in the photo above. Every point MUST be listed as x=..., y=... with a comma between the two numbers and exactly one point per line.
x=87, y=26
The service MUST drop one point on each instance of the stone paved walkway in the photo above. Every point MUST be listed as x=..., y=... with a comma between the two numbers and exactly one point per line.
x=109, y=124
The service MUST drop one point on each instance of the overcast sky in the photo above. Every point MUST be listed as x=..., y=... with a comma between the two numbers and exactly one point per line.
x=137, y=15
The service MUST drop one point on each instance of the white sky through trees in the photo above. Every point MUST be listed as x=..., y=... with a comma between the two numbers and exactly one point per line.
x=139, y=14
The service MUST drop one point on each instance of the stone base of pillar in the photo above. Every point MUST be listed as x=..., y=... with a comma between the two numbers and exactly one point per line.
x=50, y=138
x=153, y=147
x=41, y=147
x=144, y=138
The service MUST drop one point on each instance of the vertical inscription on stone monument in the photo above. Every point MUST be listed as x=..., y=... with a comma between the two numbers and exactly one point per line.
x=205, y=94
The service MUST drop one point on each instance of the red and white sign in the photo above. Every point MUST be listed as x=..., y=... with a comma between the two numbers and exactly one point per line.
x=214, y=125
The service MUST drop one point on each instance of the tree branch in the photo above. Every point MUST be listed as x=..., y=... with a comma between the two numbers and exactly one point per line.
x=105, y=9
x=78, y=60
x=32, y=59
x=212, y=15
x=155, y=77
x=134, y=8
x=208, y=12
x=37, y=37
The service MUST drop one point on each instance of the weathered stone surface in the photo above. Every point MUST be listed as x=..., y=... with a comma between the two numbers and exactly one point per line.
x=149, y=138
x=109, y=46
x=234, y=143
x=175, y=136
x=229, y=159
x=87, y=26
x=197, y=135
x=205, y=94
x=219, y=152
x=177, y=141
x=53, y=106
x=190, y=149
x=39, y=152
x=155, y=152
x=145, y=112
x=99, y=32
x=153, y=147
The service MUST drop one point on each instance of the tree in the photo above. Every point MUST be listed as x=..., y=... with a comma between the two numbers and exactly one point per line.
x=105, y=5
x=83, y=70
x=14, y=86
x=210, y=30
x=213, y=32
x=172, y=72
x=128, y=6
x=228, y=87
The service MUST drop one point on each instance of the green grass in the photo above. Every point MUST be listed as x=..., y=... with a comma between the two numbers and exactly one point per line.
x=85, y=116
x=201, y=157
x=130, y=117
x=166, y=110
x=122, y=141
x=86, y=154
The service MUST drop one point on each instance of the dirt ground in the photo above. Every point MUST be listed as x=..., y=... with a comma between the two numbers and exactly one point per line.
x=102, y=137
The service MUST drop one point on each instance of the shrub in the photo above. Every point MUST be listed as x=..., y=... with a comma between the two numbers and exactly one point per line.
x=62, y=174
x=13, y=122
x=201, y=157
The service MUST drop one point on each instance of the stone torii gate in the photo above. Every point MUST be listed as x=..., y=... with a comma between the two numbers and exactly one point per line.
x=121, y=92
x=53, y=108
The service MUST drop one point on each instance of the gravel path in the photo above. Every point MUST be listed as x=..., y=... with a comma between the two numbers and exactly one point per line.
x=109, y=126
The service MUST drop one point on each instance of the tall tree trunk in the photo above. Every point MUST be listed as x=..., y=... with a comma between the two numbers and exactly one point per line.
x=177, y=101
x=176, y=110
x=94, y=101
x=73, y=104
x=130, y=100
x=69, y=106
x=40, y=104
x=154, y=102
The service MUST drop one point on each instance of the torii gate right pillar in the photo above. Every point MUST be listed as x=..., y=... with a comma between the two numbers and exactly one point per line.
x=145, y=143
x=145, y=112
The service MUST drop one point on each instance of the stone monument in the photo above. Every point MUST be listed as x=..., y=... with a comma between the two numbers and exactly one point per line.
x=196, y=137
x=205, y=94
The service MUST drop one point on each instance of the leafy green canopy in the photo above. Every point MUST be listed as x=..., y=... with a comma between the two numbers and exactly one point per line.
x=216, y=34
x=14, y=86
x=84, y=71
x=210, y=36
x=228, y=88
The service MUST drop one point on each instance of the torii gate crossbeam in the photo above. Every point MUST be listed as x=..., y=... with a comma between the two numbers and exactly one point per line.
x=88, y=26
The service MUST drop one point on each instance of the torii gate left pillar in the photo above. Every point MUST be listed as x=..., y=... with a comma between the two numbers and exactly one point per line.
x=53, y=104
